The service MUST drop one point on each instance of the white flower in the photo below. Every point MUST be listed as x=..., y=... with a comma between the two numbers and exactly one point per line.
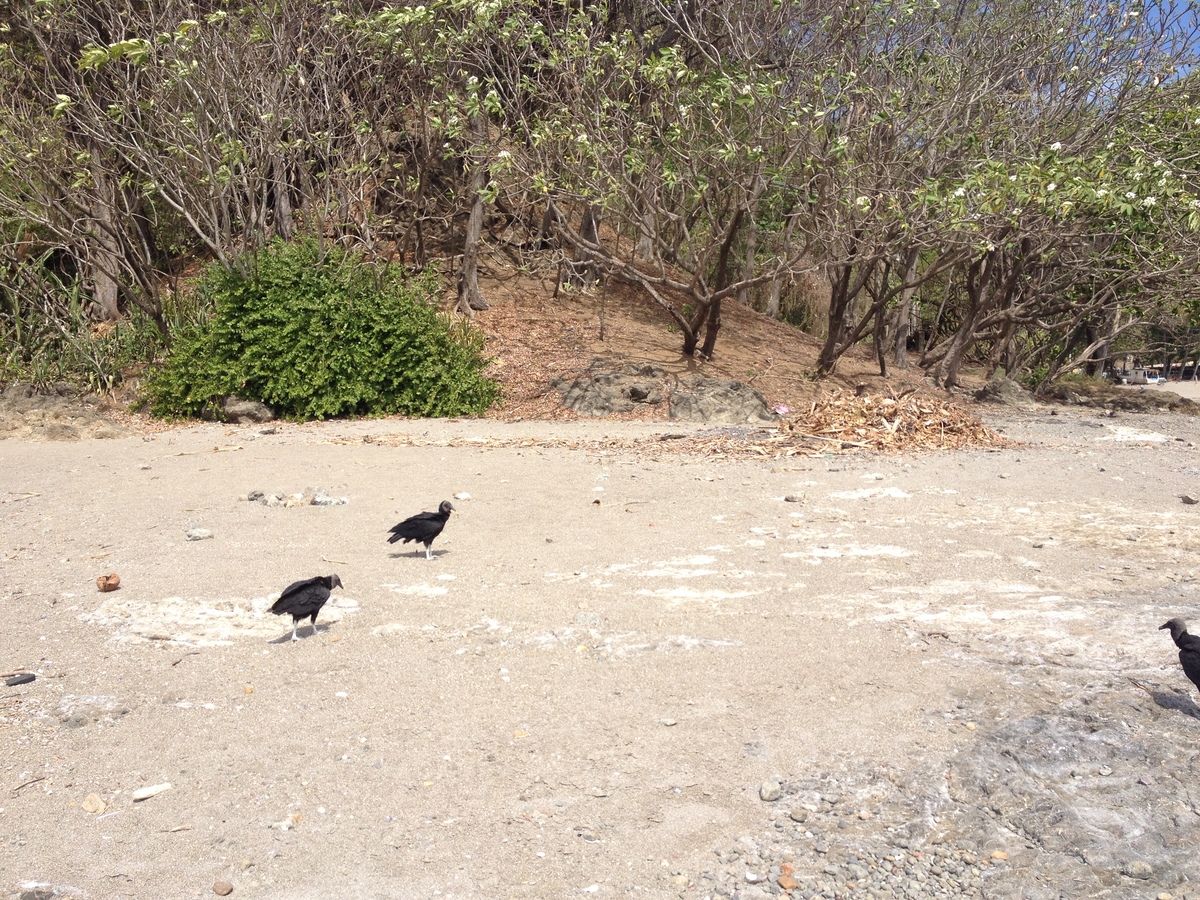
x=1130, y=195
x=1149, y=201
x=1051, y=187
x=1012, y=177
x=503, y=154
x=1057, y=145
x=961, y=192
x=1102, y=192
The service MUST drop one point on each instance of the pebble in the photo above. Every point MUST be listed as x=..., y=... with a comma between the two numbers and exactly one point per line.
x=1190, y=499
x=770, y=791
x=794, y=498
x=222, y=888
x=1138, y=869
x=199, y=534
x=145, y=793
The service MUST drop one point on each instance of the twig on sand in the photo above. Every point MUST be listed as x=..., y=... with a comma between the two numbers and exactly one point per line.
x=185, y=656
x=28, y=783
x=1137, y=683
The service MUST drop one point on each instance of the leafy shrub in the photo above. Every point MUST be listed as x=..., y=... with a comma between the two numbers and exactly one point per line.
x=315, y=332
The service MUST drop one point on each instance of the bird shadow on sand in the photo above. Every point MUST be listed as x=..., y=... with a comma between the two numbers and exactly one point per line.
x=420, y=554
x=304, y=633
x=1173, y=700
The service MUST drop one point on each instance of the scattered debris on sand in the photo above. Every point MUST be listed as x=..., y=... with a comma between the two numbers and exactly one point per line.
x=839, y=422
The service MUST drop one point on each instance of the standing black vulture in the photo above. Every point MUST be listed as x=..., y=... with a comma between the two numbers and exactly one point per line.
x=304, y=599
x=1189, y=648
x=423, y=527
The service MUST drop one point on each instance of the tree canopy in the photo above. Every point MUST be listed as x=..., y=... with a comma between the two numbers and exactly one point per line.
x=1011, y=185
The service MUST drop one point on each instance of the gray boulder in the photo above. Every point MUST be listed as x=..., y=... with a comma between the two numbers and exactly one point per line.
x=1005, y=391
x=246, y=412
x=600, y=393
x=698, y=398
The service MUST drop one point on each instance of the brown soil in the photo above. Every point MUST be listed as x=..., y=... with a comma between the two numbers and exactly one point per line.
x=536, y=338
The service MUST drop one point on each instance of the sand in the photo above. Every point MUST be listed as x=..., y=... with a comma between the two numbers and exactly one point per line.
x=583, y=692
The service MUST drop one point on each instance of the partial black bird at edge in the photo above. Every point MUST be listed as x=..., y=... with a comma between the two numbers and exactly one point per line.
x=423, y=527
x=1189, y=648
x=304, y=599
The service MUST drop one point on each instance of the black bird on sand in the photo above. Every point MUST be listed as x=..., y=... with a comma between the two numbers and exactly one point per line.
x=304, y=599
x=1189, y=648
x=423, y=527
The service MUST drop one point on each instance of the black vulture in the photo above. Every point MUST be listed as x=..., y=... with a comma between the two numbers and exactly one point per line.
x=304, y=599
x=423, y=527
x=1189, y=648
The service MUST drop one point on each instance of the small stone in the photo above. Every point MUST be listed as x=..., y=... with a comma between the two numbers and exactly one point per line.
x=999, y=854
x=1163, y=896
x=1190, y=499
x=320, y=498
x=145, y=793
x=255, y=496
x=1105, y=771
x=787, y=882
x=679, y=881
x=94, y=805
x=753, y=877
x=462, y=495
x=799, y=814
x=106, y=583
x=199, y=534
x=794, y=498
x=770, y=790
x=1138, y=869
x=247, y=412
x=222, y=888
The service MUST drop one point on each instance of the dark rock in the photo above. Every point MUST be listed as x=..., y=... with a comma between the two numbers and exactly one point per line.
x=601, y=393
x=1122, y=398
x=1005, y=391
x=247, y=412
x=698, y=398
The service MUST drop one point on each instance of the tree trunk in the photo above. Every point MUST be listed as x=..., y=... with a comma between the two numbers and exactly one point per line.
x=104, y=251
x=743, y=295
x=470, y=298
x=774, y=297
x=283, y=220
x=583, y=271
x=902, y=322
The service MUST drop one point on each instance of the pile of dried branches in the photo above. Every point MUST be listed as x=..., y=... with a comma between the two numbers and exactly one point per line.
x=891, y=422
x=838, y=423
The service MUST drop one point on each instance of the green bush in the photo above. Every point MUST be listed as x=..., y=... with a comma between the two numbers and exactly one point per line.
x=315, y=332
